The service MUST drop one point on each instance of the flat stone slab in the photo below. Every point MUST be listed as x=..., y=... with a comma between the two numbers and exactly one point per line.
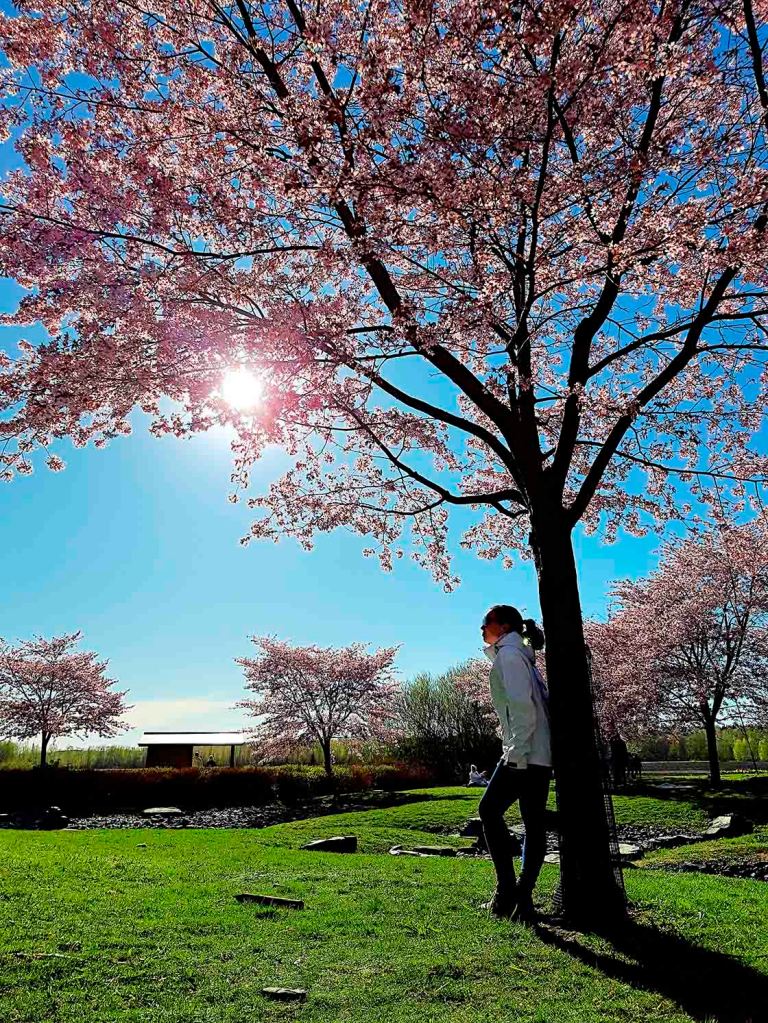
x=337, y=844
x=728, y=825
x=552, y=858
x=627, y=851
x=434, y=850
x=285, y=994
x=270, y=900
x=669, y=841
x=162, y=811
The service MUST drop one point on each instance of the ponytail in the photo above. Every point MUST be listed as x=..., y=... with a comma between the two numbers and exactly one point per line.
x=533, y=634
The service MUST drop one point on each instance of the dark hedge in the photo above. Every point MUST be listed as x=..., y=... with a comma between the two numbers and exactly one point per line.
x=80, y=792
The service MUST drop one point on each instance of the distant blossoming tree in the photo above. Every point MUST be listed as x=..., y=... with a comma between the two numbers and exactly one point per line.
x=50, y=689
x=688, y=645
x=311, y=695
x=507, y=258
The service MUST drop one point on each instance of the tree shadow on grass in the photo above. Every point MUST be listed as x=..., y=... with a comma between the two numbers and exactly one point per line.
x=748, y=796
x=708, y=985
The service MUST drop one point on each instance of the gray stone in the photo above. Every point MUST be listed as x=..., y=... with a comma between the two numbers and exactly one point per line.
x=434, y=850
x=627, y=851
x=669, y=841
x=728, y=825
x=270, y=900
x=162, y=811
x=337, y=844
x=552, y=858
x=285, y=994
x=142, y=845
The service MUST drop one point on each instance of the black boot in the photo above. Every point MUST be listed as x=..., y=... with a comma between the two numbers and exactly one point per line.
x=503, y=903
x=524, y=911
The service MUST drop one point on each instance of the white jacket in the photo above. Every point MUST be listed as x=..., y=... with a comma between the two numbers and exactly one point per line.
x=519, y=702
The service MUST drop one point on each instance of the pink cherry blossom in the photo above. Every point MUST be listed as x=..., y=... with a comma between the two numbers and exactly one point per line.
x=688, y=645
x=50, y=689
x=307, y=696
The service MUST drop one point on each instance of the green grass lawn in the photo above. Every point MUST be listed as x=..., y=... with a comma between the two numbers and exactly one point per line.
x=97, y=928
x=754, y=846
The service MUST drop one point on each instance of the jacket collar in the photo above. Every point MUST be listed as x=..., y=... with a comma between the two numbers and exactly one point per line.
x=510, y=639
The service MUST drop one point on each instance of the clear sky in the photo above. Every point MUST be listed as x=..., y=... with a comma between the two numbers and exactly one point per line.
x=138, y=547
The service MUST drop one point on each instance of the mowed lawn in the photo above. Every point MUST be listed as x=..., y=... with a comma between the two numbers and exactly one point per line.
x=143, y=926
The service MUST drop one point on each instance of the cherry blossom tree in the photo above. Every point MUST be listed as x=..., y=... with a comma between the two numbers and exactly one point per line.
x=688, y=645
x=50, y=689
x=312, y=695
x=504, y=258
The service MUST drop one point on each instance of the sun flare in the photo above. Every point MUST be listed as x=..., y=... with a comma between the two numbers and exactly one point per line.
x=241, y=389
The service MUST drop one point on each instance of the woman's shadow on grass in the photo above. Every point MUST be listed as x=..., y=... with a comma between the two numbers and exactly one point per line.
x=708, y=985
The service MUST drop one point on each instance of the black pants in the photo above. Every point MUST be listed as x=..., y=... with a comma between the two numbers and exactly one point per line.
x=531, y=786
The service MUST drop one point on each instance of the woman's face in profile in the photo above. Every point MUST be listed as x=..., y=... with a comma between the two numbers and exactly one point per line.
x=490, y=630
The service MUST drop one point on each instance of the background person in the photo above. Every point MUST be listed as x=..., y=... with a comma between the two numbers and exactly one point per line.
x=520, y=699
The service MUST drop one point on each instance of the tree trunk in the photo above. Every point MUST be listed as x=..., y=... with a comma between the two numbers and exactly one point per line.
x=714, y=759
x=44, y=749
x=591, y=887
x=327, y=763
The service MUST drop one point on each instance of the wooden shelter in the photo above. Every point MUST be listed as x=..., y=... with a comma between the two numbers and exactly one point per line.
x=177, y=749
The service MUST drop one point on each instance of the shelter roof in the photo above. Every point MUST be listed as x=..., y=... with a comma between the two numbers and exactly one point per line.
x=193, y=739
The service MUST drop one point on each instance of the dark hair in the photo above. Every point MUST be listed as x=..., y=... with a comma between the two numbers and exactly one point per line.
x=505, y=614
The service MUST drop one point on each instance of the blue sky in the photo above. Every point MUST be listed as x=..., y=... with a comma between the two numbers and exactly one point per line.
x=138, y=546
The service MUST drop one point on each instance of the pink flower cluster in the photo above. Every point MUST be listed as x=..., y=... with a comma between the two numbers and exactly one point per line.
x=510, y=259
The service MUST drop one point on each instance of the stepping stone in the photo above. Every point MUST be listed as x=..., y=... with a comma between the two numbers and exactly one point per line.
x=270, y=900
x=728, y=825
x=285, y=994
x=162, y=811
x=434, y=850
x=669, y=841
x=627, y=851
x=552, y=858
x=337, y=844
x=396, y=850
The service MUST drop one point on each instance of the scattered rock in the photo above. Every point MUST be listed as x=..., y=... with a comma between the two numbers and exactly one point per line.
x=262, y=816
x=337, y=844
x=162, y=811
x=728, y=825
x=270, y=900
x=285, y=994
x=142, y=845
x=749, y=868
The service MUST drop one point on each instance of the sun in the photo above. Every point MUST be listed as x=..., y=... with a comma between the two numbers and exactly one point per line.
x=241, y=389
